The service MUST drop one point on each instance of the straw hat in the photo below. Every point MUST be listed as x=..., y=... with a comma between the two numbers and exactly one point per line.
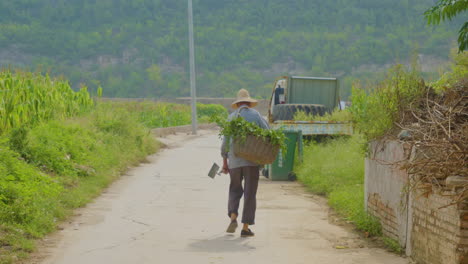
x=244, y=96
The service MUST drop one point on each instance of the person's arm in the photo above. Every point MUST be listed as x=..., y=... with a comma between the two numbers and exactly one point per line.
x=225, y=150
x=225, y=169
x=224, y=154
x=261, y=122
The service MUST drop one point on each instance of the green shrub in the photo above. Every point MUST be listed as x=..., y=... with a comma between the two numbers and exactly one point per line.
x=459, y=71
x=28, y=198
x=376, y=109
x=208, y=112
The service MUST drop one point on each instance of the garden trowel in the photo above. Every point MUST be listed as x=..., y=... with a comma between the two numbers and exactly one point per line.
x=214, y=171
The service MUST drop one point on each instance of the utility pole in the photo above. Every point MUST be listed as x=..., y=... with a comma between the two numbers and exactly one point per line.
x=193, y=87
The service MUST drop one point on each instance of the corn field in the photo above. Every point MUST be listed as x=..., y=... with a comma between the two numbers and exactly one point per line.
x=29, y=98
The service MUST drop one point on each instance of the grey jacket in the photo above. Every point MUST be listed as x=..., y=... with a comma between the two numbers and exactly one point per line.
x=250, y=115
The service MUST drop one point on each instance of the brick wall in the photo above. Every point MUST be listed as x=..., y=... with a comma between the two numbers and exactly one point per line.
x=385, y=213
x=438, y=235
x=431, y=231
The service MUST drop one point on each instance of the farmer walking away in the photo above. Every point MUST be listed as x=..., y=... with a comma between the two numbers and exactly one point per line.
x=242, y=170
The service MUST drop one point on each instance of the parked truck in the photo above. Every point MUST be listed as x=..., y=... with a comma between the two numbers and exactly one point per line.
x=314, y=96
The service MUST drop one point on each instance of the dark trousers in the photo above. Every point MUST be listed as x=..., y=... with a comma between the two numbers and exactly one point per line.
x=250, y=175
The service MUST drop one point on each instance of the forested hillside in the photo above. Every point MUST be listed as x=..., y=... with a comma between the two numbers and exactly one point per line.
x=139, y=48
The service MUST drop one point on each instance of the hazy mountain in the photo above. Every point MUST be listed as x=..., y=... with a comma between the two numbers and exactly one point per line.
x=139, y=48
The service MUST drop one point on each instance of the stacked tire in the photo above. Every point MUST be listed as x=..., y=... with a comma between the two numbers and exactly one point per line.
x=287, y=111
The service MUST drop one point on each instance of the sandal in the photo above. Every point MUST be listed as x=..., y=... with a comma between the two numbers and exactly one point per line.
x=232, y=227
x=247, y=233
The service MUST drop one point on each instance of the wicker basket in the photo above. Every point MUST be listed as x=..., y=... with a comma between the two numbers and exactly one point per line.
x=255, y=149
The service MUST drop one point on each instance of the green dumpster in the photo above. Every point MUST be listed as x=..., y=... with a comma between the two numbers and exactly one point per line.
x=282, y=167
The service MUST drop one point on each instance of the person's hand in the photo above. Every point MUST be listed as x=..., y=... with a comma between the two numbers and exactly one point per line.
x=225, y=166
x=225, y=169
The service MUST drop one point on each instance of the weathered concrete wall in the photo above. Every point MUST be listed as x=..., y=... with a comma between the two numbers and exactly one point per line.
x=385, y=183
x=431, y=231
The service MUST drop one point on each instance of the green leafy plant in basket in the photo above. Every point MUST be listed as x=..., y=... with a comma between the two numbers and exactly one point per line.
x=244, y=132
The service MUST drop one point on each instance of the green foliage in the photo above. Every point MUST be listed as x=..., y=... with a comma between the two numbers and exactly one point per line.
x=376, y=108
x=392, y=245
x=239, y=43
x=447, y=10
x=209, y=112
x=28, y=198
x=154, y=115
x=157, y=114
x=336, y=116
x=239, y=128
x=336, y=168
x=56, y=166
x=458, y=72
x=29, y=98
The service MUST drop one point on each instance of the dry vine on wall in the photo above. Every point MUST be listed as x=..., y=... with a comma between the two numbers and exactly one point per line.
x=437, y=127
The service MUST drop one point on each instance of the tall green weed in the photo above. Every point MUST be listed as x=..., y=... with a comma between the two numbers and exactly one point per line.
x=459, y=70
x=29, y=98
x=376, y=108
x=335, y=168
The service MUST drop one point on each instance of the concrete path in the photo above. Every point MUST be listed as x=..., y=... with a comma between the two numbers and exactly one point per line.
x=169, y=211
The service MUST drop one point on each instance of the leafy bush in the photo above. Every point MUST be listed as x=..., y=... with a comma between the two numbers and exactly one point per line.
x=374, y=110
x=459, y=71
x=209, y=112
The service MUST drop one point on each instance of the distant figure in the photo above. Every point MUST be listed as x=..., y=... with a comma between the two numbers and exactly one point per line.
x=279, y=95
x=342, y=105
x=240, y=169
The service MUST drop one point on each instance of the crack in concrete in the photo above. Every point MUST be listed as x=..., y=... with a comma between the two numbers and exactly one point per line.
x=135, y=221
x=98, y=249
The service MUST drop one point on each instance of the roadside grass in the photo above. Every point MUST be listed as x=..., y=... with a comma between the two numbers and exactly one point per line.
x=59, y=165
x=392, y=245
x=335, y=168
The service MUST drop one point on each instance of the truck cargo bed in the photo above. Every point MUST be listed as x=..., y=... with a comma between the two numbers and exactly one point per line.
x=309, y=128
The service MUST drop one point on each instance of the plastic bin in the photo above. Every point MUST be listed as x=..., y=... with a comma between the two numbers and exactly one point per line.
x=282, y=167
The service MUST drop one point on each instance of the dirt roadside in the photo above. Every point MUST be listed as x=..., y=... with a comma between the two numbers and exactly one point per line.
x=169, y=211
